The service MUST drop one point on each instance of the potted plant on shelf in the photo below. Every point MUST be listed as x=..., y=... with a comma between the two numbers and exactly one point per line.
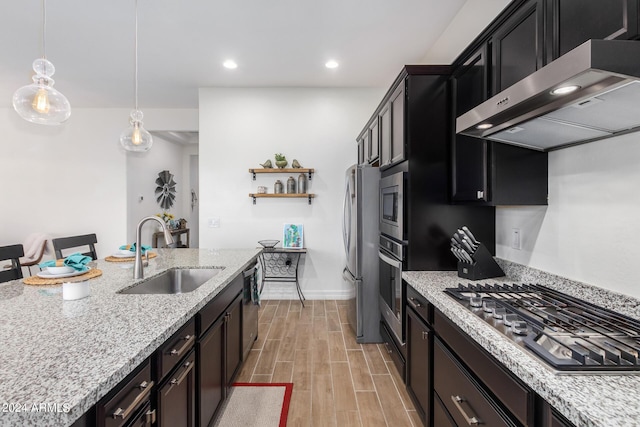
x=281, y=160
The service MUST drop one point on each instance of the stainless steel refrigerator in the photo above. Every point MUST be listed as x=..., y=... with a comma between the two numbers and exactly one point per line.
x=360, y=234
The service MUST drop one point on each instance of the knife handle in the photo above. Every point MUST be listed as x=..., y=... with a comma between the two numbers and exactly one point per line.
x=470, y=234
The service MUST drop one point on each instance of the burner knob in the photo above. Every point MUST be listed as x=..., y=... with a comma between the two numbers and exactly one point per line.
x=489, y=306
x=508, y=319
x=519, y=327
x=475, y=302
x=499, y=312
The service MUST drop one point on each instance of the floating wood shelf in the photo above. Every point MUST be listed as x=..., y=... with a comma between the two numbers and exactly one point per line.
x=281, y=196
x=284, y=170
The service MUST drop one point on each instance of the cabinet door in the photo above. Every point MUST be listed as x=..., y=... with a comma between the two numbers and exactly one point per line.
x=397, y=125
x=518, y=46
x=470, y=169
x=176, y=398
x=374, y=143
x=233, y=340
x=470, y=82
x=210, y=372
x=419, y=348
x=572, y=22
x=384, y=122
x=361, y=144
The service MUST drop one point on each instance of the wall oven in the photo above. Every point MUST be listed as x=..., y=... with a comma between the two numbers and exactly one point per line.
x=392, y=206
x=391, y=254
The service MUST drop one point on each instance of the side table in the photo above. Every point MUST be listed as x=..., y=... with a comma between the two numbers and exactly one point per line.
x=281, y=265
x=177, y=232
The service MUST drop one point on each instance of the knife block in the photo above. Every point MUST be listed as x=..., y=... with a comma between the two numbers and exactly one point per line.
x=483, y=267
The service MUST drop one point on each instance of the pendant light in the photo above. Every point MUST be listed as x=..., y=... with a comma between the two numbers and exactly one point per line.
x=135, y=137
x=39, y=102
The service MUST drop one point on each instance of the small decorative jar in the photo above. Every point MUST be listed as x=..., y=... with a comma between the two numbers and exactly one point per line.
x=302, y=183
x=291, y=185
x=278, y=188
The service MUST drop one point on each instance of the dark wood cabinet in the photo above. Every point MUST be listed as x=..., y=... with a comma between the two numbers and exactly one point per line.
x=384, y=120
x=392, y=128
x=419, y=349
x=471, y=81
x=572, y=22
x=361, y=144
x=210, y=372
x=373, y=148
x=176, y=396
x=518, y=46
x=129, y=403
x=491, y=173
x=233, y=340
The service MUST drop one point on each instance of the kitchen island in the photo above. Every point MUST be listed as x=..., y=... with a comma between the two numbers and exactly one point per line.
x=587, y=400
x=60, y=357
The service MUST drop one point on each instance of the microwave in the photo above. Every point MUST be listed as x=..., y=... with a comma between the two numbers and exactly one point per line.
x=392, y=206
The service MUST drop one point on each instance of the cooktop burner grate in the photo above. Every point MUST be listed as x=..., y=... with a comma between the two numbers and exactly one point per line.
x=568, y=333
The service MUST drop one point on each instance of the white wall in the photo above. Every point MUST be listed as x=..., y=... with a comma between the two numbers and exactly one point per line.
x=589, y=232
x=241, y=128
x=71, y=179
x=142, y=171
x=470, y=21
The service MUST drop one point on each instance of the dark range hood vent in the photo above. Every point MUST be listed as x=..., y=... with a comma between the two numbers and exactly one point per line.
x=606, y=102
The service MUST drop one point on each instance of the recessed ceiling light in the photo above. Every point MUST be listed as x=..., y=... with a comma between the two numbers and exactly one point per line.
x=331, y=64
x=563, y=90
x=230, y=64
x=484, y=126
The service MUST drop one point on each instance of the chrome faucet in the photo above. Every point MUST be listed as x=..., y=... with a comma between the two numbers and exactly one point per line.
x=138, y=268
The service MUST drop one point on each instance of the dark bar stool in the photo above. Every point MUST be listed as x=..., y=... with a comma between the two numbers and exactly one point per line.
x=13, y=253
x=76, y=241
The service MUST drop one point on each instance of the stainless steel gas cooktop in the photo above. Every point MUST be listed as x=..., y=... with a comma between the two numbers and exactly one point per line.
x=569, y=334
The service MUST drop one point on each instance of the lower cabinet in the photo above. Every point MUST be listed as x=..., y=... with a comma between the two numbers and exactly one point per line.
x=419, y=360
x=129, y=403
x=176, y=396
x=185, y=381
x=219, y=351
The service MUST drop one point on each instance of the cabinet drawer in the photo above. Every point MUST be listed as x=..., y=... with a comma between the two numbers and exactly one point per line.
x=130, y=395
x=462, y=396
x=441, y=417
x=392, y=350
x=174, y=349
x=419, y=303
x=515, y=396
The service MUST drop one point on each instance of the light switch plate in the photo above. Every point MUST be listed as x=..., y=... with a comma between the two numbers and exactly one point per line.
x=516, y=239
x=214, y=222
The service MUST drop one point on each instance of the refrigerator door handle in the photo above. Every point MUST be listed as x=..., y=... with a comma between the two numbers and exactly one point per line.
x=346, y=217
x=346, y=275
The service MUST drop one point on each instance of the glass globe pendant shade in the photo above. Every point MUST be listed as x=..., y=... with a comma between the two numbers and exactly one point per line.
x=39, y=102
x=136, y=137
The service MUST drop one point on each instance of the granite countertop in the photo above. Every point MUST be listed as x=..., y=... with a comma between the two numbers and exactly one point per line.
x=587, y=400
x=69, y=354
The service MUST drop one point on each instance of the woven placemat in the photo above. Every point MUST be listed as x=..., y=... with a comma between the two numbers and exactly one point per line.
x=128, y=259
x=36, y=280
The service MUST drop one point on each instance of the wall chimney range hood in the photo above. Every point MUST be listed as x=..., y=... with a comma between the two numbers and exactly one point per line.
x=590, y=93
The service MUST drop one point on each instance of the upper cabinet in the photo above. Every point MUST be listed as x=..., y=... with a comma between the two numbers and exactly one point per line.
x=572, y=22
x=518, y=45
x=389, y=131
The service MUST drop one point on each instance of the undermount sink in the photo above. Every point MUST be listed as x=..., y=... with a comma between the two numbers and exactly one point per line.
x=174, y=281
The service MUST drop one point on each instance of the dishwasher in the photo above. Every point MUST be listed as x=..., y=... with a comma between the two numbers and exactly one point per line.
x=250, y=305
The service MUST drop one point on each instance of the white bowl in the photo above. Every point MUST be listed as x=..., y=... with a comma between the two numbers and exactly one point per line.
x=60, y=270
x=125, y=252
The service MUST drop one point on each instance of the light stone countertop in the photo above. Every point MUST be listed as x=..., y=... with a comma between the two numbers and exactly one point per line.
x=72, y=353
x=587, y=400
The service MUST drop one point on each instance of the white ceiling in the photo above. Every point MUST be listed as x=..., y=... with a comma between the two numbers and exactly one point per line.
x=182, y=45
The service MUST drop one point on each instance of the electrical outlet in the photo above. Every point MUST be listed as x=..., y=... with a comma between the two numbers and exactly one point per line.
x=214, y=222
x=516, y=239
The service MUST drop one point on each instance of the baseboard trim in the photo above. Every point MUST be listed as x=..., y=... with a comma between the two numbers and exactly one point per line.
x=315, y=294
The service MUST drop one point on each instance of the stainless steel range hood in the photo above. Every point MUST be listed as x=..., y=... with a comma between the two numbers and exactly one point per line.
x=606, y=102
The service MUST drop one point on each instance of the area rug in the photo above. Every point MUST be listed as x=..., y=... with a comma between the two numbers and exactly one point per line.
x=256, y=404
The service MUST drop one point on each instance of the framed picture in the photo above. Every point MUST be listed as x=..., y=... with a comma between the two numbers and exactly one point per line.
x=293, y=237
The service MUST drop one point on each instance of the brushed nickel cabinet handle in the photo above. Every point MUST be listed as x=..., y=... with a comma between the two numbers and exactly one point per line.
x=151, y=416
x=188, y=341
x=413, y=302
x=177, y=381
x=471, y=420
x=146, y=390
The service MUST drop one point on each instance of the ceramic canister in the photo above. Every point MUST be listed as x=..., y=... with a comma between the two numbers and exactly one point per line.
x=302, y=183
x=291, y=185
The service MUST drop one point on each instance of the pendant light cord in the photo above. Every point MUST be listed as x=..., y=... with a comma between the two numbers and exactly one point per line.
x=44, y=29
x=136, y=59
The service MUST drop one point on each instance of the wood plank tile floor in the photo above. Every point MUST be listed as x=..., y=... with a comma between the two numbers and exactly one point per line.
x=337, y=382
